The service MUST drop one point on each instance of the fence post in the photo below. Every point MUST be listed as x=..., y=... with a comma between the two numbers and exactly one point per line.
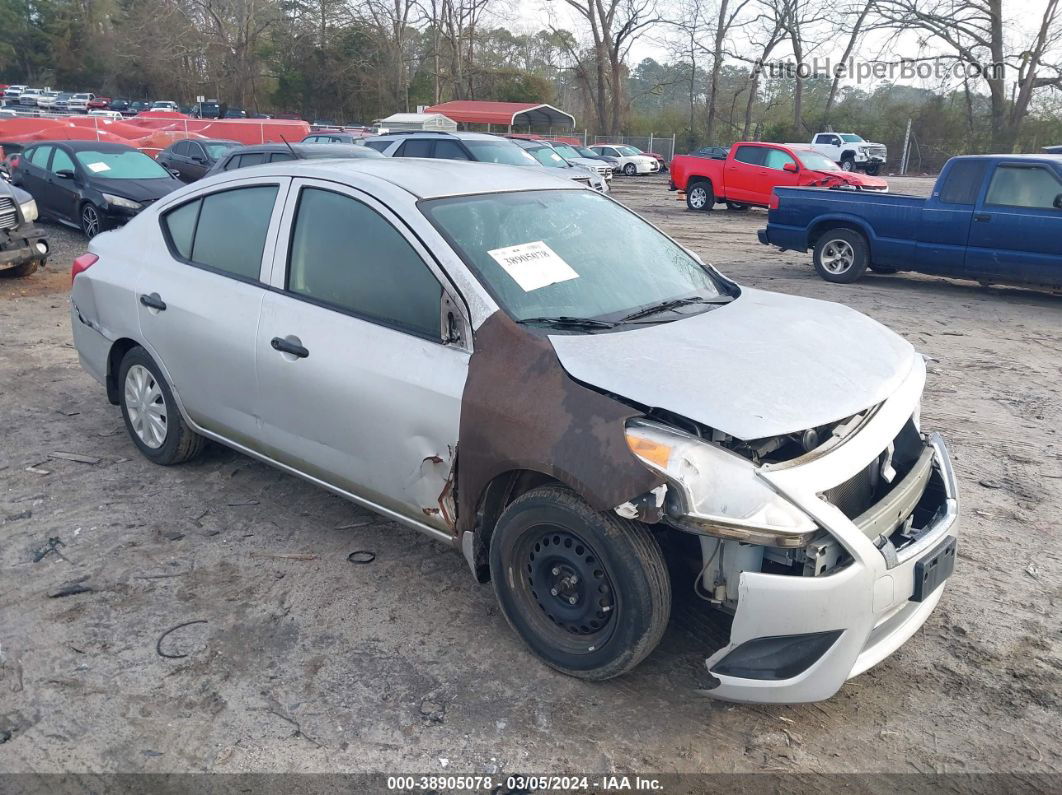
x=650, y=142
x=906, y=142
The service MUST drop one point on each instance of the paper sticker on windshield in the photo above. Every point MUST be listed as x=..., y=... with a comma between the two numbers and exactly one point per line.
x=98, y=167
x=533, y=265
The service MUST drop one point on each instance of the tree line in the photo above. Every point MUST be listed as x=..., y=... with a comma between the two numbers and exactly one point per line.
x=357, y=60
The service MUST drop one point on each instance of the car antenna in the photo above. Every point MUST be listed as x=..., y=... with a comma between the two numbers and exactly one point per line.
x=291, y=149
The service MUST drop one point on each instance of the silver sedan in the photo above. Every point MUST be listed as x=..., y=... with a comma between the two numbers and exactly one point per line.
x=531, y=373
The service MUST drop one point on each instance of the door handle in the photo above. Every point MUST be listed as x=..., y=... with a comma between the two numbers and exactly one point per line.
x=982, y=217
x=285, y=346
x=153, y=301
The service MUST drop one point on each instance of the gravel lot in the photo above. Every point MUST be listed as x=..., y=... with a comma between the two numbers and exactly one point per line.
x=306, y=662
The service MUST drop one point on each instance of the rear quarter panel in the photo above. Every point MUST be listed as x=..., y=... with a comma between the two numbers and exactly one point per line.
x=685, y=167
x=888, y=221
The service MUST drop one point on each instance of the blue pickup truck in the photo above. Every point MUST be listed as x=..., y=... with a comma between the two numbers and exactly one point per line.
x=992, y=218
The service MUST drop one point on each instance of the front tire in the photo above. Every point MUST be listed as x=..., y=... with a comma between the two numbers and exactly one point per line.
x=151, y=415
x=92, y=220
x=841, y=255
x=630, y=169
x=700, y=197
x=873, y=170
x=588, y=592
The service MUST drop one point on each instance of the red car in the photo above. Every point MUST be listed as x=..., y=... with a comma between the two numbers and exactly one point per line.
x=99, y=103
x=751, y=172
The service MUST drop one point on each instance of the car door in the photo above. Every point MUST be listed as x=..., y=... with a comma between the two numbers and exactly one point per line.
x=33, y=174
x=780, y=170
x=1016, y=228
x=196, y=161
x=359, y=388
x=61, y=190
x=743, y=173
x=944, y=229
x=829, y=145
x=200, y=298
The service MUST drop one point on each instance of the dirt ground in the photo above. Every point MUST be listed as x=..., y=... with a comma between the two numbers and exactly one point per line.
x=303, y=661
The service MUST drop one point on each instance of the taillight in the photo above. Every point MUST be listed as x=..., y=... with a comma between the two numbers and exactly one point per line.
x=773, y=203
x=82, y=264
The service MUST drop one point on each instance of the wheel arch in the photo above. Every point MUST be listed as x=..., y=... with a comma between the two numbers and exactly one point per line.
x=848, y=154
x=824, y=225
x=496, y=496
x=118, y=350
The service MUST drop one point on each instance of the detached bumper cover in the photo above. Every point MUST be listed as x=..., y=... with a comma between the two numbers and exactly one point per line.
x=869, y=603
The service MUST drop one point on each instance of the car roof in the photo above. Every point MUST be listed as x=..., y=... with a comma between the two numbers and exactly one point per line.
x=464, y=136
x=425, y=178
x=89, y=146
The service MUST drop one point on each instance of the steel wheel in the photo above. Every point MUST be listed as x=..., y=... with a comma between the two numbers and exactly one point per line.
x=838, y=256
x=146, y=406
x=568, y=583
x=90, y=221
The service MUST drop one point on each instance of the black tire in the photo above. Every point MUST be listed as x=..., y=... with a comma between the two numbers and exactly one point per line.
x=86, y=214
x=630, y=170
x=881, y=269
x=735, y=207
x=179, y=443
x=700, y=196
x=25, y=269
x=841, y=255
x=622, y=590
x=848, y=163
x=873, y=170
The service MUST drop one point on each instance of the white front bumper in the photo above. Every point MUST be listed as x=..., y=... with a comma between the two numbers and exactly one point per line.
x=866, y=600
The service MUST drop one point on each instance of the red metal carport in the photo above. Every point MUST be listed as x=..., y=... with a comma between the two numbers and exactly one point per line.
x=504, y=114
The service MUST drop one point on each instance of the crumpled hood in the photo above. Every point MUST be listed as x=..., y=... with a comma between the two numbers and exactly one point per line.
x=853, y=178
x=763, y=365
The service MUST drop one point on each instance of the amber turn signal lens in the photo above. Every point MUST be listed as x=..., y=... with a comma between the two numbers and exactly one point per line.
x=653, y=452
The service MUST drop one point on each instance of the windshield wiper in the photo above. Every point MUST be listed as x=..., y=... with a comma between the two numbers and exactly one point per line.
x=675, y=303
x=567, y=321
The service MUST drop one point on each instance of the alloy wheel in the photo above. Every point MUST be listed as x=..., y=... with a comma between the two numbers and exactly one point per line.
x=146, y=406
x=90, y=221
x=698, y=197
x=838, y=257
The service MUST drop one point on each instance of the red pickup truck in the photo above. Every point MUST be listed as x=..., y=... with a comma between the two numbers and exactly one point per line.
x=751, y=172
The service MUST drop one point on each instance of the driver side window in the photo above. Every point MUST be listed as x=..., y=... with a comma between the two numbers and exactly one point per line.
x=61, y=161
x=777, y=159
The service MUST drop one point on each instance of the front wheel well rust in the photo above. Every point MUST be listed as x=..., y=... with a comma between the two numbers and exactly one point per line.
x=496, y=497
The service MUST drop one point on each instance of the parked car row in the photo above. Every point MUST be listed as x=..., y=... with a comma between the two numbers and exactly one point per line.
x=47, y=99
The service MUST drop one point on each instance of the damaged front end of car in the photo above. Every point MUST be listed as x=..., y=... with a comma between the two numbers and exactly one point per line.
x=827, y=546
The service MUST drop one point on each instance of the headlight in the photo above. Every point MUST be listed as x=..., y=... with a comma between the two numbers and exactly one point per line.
x=118, y=201
x=29, y=210
x=722, y=494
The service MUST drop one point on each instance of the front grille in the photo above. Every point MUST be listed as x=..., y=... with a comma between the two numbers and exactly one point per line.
x=877, y=151
x=8, y=213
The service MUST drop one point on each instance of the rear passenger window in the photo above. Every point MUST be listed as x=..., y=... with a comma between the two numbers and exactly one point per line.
x=416, y=148
x=39, y=156
x=346, y=255
x=225, y=231
x=753, y=155
x=963, y=182
x=450, y=150
x=252, y=159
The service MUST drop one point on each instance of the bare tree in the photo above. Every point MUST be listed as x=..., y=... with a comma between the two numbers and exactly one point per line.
x=973, y=33
x=855, y=32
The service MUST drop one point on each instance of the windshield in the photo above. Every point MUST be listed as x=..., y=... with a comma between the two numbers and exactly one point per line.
x=561, y=253
x=566, y=150
x=121, y=165
x=852, y=139
x=815, y=161
x=217, y=150
x=585, y=152
x=500, y=152
x=547, y=157
x=629, y=151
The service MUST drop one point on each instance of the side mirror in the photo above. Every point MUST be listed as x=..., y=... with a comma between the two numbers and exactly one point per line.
x=792, y=168
x=1058, y=202
x=64, y=173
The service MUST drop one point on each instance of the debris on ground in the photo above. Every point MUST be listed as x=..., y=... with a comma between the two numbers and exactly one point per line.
x=81, y=459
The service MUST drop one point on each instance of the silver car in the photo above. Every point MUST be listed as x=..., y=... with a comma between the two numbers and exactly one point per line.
x=532, y=374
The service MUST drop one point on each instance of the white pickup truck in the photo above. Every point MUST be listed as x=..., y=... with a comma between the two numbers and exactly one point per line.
x=850, y=151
